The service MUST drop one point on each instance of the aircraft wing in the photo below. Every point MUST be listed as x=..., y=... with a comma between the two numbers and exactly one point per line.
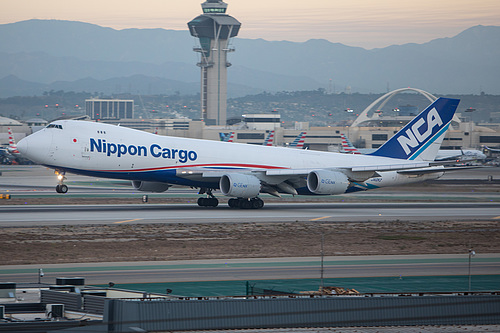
x=357, y=173
x=436, y=169
x=449, y=158
x=494, y=150
x=355, y=169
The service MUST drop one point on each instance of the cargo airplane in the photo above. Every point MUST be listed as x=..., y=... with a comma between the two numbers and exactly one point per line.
x=240, y=171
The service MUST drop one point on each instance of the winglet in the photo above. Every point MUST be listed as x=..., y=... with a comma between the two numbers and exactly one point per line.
x=421, y=138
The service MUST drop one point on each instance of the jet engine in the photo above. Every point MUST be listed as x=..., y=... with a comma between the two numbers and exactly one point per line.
x=327, y=182
x=239, y=185
x=150, y=186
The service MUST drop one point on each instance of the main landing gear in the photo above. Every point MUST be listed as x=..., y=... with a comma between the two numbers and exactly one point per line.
x=61, y=187
x=245, y=203
x=210, y=201
x=242, y=203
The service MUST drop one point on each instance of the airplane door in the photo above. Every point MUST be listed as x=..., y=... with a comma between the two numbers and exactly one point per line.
x=80, y=148
x=82, y=153
x=85, y=151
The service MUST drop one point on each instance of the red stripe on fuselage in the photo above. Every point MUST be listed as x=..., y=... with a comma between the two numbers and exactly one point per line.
x=227, y=165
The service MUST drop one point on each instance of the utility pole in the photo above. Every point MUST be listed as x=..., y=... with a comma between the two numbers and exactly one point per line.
x=322, y=262
x=472, y=253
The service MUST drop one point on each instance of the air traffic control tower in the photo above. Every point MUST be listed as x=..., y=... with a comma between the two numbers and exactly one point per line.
x=214, y=29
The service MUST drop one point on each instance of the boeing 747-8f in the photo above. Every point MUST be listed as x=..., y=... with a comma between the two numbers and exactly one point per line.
x=154, y=163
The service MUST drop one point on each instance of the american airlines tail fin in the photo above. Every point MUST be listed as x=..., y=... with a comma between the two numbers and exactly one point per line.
x=347, y=146
x=12, y=142
x=421, y=138
x=269, y=141
x=12, y=149
x=298, y=142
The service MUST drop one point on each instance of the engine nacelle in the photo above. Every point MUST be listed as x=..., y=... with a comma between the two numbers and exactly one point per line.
x=150, y=186
x=239, y=185
x=327, y=182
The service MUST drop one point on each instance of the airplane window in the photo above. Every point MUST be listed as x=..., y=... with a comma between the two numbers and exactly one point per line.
x=54, y=126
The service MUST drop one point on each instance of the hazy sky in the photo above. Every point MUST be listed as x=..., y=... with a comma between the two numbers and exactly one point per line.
x=365, y=23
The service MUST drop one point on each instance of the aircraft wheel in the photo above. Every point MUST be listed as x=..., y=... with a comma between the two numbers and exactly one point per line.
x=58, y=188
x=245, y=204
x=63, y=188
x=208, y=202
x=257, y=203
x=233, y=203
x=201, y=202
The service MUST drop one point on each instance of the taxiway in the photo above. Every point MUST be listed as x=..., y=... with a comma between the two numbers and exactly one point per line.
x=257, y=268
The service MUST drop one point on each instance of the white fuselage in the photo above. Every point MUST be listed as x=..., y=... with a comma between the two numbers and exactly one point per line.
x=110, y=151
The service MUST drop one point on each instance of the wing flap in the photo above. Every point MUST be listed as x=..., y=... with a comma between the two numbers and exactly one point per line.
x=424, y=171
x=356, y=169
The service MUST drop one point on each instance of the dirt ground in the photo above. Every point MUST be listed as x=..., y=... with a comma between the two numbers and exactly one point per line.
x=150, y=242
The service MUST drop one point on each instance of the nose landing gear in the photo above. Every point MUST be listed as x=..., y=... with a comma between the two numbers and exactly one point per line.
x=61, y=187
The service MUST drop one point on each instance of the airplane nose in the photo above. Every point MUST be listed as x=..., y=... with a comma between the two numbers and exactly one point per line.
x=22, y=146
x=35, y=147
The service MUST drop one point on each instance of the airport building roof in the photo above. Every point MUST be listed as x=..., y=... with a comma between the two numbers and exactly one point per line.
x=36, y=122
x=8, y=121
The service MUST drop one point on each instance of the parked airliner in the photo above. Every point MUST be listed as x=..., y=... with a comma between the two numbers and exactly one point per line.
x=154, y=163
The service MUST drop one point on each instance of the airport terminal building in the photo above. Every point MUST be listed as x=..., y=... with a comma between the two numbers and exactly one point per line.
x=370, y=129
x=461, y=134
x=109, y=109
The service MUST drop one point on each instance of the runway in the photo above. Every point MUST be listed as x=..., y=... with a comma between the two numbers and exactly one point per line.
x=273, y=212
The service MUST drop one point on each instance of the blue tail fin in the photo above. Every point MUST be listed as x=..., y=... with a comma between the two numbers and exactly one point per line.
x=421, y=138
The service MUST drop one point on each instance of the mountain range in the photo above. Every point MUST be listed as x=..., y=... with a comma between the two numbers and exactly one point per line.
x=44, y=55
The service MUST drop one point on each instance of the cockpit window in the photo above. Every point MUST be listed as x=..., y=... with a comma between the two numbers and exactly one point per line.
x=54, y=126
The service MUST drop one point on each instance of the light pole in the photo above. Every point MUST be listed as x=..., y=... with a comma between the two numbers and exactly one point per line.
x=471, y=254
x=40, y=275
x=322, y=265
